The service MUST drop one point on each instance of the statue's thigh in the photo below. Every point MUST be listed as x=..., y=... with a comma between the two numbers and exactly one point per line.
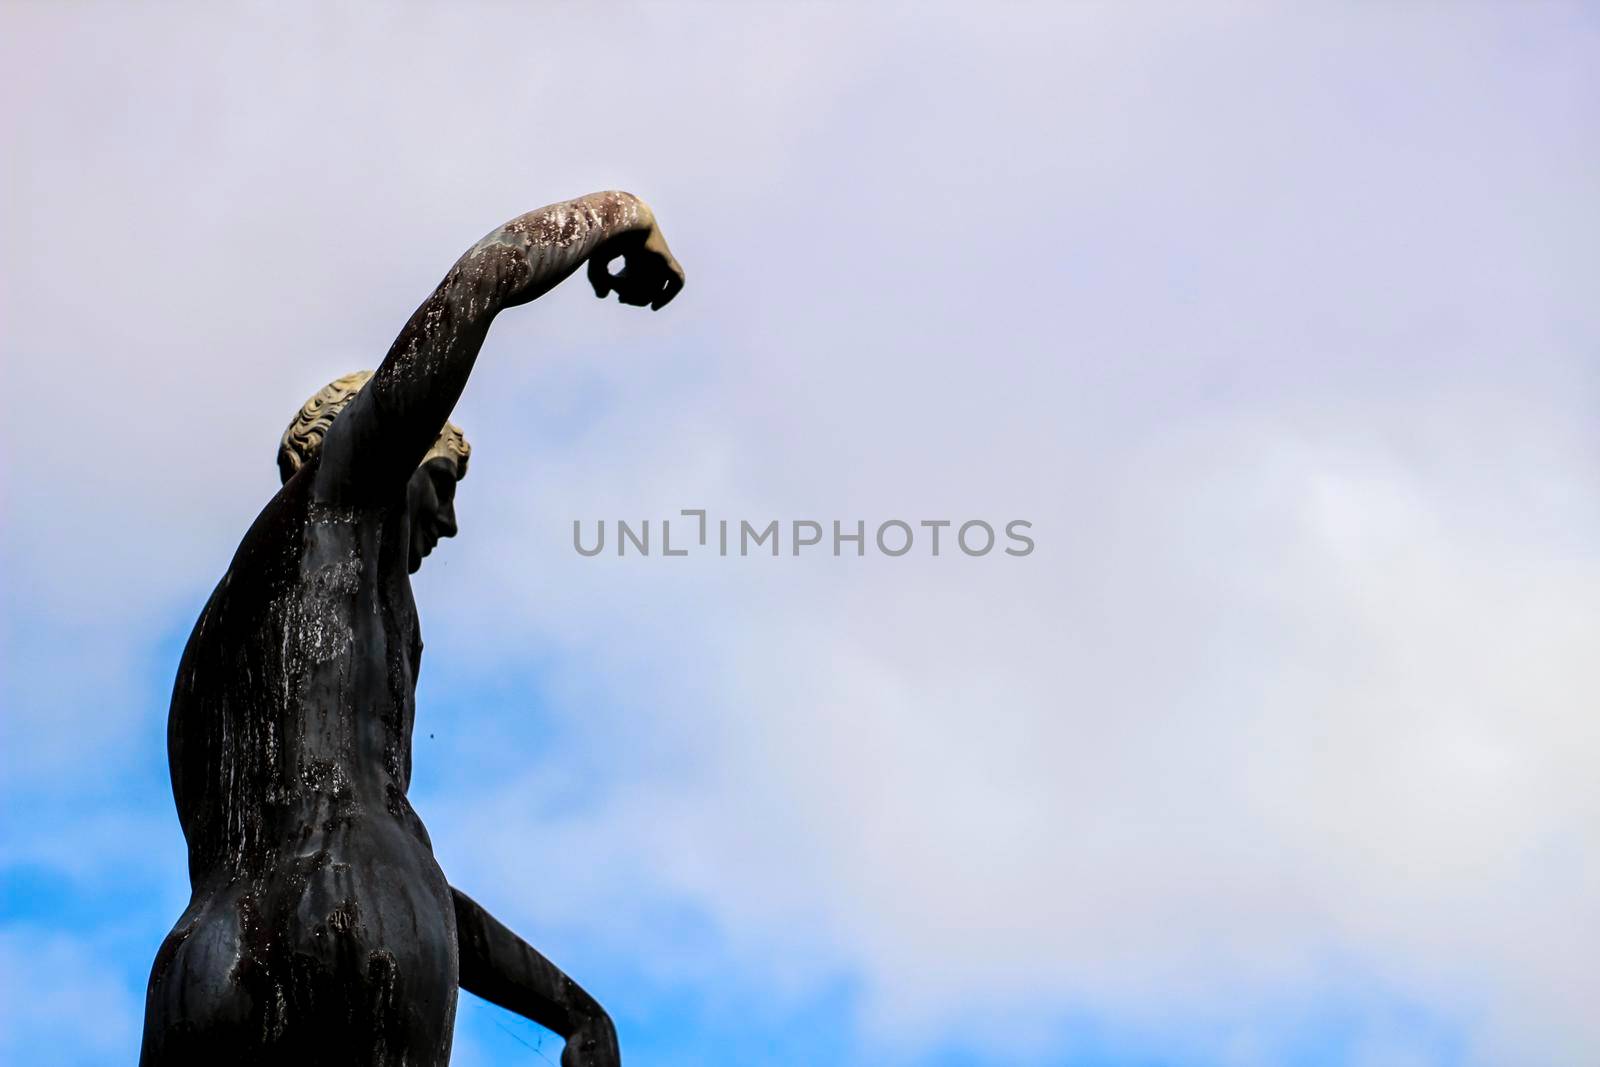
x=194, y=1008
x=234, y=985
x=374, y=941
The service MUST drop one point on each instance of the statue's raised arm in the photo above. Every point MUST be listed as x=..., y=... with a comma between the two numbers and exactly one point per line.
x=376, y=444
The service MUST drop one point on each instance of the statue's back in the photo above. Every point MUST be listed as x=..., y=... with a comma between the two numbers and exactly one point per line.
x=320, y=927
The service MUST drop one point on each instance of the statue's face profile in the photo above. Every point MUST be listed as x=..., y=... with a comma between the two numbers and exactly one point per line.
x=431, y=506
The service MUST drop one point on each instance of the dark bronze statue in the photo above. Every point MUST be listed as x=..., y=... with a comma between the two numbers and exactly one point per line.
x=320, y=929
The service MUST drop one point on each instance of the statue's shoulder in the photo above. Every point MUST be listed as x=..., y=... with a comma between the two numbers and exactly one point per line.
x=263, y=563
x=267, y=555
x=279, y=527
x=295, y=537
x=296, y=529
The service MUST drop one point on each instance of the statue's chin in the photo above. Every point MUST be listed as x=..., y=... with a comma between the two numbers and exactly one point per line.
x=421, y=544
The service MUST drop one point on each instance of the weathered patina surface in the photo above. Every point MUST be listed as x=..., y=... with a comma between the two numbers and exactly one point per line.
x=321, y=930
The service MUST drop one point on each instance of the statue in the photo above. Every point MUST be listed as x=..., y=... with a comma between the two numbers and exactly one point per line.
x=320, y=929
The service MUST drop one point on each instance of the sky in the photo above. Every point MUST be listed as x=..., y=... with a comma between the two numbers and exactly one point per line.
x=1276, y=322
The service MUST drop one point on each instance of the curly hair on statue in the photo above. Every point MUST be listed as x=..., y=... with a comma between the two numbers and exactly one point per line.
x=304, y=435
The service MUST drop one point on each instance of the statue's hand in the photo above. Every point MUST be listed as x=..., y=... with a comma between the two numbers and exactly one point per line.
x=650, y=276
x=592, y=1044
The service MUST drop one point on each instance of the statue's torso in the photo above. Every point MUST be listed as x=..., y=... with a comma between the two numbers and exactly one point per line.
x=316, y=895
x=294, y=703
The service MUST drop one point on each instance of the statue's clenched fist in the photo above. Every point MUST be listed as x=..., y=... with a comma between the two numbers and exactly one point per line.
x=650, y=276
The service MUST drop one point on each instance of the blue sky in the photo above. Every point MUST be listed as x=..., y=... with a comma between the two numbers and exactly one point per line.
x=1277, y=322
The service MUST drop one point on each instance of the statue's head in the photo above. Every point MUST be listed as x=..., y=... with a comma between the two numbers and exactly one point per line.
x=431, y=493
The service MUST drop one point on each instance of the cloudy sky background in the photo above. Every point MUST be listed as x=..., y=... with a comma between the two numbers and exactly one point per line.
x=1278, y=324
